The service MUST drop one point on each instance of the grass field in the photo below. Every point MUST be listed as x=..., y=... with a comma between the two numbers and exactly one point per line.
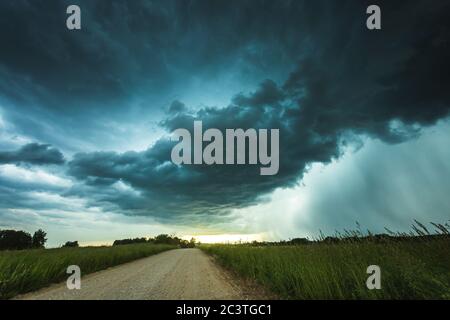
x=28, y=270
x=411, y=269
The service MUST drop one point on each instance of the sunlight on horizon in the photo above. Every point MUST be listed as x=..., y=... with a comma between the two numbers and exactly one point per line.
x=225, y=238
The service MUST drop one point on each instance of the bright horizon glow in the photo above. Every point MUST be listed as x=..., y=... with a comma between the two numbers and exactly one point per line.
x=225, y=238
x=206, y=239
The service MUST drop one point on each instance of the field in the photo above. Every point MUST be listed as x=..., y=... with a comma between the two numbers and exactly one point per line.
x=410, y=269
x=28, y=270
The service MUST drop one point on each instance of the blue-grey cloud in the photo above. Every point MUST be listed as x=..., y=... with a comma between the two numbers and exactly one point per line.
x=324, y=81
x=129, y=61
x=33, y=153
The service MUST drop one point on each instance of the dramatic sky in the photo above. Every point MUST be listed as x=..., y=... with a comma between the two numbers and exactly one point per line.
x=86, y=116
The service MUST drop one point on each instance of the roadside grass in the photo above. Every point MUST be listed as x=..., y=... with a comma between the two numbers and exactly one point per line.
x=28, y=270
x=410, y=269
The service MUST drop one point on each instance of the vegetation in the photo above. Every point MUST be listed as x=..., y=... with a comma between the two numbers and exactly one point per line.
x=413, y=265
x=71, y=244
x=39, y=239
x=129, y=241
x=159, y=239
x=26, y=266
x=21, y=240
x=188, y=244
x=28, y=270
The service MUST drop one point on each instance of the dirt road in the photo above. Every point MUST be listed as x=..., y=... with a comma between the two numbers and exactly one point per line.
x=175, y=274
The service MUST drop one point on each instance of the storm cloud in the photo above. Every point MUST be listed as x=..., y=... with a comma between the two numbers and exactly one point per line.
x=33, y=153
x=310, y=69
x=350, y=87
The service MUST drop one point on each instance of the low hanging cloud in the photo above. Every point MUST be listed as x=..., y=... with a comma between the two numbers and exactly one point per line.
x=33, y=153
x=351, y=86
x=343, y=82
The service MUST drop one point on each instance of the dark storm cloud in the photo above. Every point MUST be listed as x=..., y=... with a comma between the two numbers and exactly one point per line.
x=49, y=66
x=339, y=81
x=267, y=95
x=380, y=186
x=176, y=107
x=33, y=153
x=131, y=59
x=126, y=49
x=348, y=82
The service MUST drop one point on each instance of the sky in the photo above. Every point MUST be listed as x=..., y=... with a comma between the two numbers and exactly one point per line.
x=86, y=117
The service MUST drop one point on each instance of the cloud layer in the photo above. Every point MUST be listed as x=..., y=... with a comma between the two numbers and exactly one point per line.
x=33, y=153
x=139, y=70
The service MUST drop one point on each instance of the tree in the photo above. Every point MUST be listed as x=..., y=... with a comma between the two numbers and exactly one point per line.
x=166, y=239
x=71, y=244
x=187, y=244
x=39, y=239
x=162, y=238
x=129, y=241
x=15, y=240
x=192, y=243
x=298, y=241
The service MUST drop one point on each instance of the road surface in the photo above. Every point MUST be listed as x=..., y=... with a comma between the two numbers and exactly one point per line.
x=176, y=274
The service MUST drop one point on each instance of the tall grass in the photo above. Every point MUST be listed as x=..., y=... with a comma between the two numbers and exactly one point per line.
x=410, y=269
x=28, y=270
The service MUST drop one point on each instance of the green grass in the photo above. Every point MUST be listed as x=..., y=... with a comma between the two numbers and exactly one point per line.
x=28, y=270
x=413, y=269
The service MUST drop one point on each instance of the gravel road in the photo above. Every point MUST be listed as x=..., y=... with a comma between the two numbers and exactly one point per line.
x=176, y=274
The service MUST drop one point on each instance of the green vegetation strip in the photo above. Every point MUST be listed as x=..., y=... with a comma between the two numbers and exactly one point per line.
x=28, y=270
x=413, y=269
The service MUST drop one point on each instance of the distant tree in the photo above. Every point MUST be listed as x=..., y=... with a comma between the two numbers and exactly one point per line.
x=187, y=244
x=331, y=240
x=167, y=239
x=15, y=240
x=163, y=239
x=71, y=244
x=298, y=241
x=184, y=244
x=129, y=241
x=159, y=239
x=39, y=239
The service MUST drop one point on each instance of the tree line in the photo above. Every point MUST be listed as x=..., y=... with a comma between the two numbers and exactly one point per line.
x=159, y=239
x=20, y=240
